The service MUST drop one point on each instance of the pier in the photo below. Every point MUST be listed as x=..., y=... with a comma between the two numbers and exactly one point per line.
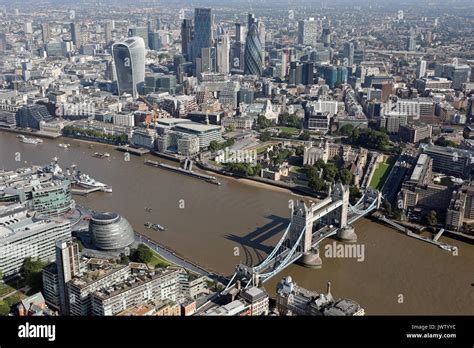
x=409, y=233
x=189, y=172
x=84, y=191
x=140, y=151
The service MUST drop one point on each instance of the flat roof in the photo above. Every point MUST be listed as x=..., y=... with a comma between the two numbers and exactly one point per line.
x=197, y=127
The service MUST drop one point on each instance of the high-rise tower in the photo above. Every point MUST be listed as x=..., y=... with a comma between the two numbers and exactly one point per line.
x=129, y=60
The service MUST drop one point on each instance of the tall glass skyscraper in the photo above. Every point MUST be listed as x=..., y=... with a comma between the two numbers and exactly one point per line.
x=203, y=24
x=129, y=59
x=253, y=52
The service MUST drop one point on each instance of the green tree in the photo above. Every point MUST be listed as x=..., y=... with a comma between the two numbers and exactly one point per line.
x=330, y=172
x=12, y=300
x=345, y=176
x=387, y=207
x=317, y=184
x=305, y=135
x=263, y=122
x=265, y=136
x=32, y=270
x=4, y=308
x=354, y=194
x=124, y=259
x=431, y=218
x=214, y=145
x=144, y=253
x=346, y=129
x=285, y=134
x=299, y=151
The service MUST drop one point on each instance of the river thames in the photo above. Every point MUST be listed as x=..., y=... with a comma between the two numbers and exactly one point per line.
x=220, y=226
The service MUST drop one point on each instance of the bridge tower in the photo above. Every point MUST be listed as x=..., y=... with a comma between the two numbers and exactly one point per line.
x=345, y=232
x=301, y=217
x=341, y=192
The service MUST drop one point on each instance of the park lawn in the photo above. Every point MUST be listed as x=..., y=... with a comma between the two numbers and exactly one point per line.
x=262, y=149
x=299, y=170
x=5, y=289
x=380, y=175
x=291, y=130
x=158, y=261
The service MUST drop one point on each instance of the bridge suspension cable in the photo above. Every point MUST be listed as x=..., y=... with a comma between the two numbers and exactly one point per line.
x=286, y=259
x=269, y=258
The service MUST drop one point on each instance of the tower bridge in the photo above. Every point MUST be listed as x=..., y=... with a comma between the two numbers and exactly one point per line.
x=308, y=227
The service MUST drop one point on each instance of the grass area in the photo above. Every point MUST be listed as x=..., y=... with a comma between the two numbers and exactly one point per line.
x=291, y=130
x=5, y=289
x=158, y=261
x=299, y=170
x=261, y=149
x=380, y=174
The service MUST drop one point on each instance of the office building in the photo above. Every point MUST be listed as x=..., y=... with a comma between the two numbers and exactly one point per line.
x=45, y=32
x=413, y=133
x=309, y=32
x=139, y=32
x=203, y=31
x=68, y=267
x=23, y=235
x=52, y=198
x=348, y=53
x=76, y=34
x=186, y=37
x=420, y=69
x=223, y=54
x=451, y=161
x=31, y=116
x=108, y=27
x=411, y=43
x=253, y=53
x=457, y=73
x=129, y=60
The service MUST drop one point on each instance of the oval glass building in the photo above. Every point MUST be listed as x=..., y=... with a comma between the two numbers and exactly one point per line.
x=110, y=231
x=129, y=59
x=253, y=52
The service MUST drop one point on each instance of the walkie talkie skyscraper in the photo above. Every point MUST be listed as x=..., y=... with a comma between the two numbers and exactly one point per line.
x=129, y=59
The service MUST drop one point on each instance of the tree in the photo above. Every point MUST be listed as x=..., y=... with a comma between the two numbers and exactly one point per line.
x=4, y=308
x=330, y=172
x=285, y=134
x=345, y=176
x=387, y=207
x=124, y=259
x=354, y=194
x=263, y=122
x=32, y=270
x=80, y=245
x=317, y=184
x=346, y=129
x=144, y=253
x=214, y=145
x=265, y=136
x=299, y=151
x=305, y=135
x=431, y=218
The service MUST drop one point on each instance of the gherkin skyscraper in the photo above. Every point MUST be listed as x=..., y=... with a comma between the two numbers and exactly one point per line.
x=253, y=52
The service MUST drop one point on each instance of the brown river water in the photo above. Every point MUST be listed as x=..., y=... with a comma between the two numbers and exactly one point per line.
x=220, y=226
